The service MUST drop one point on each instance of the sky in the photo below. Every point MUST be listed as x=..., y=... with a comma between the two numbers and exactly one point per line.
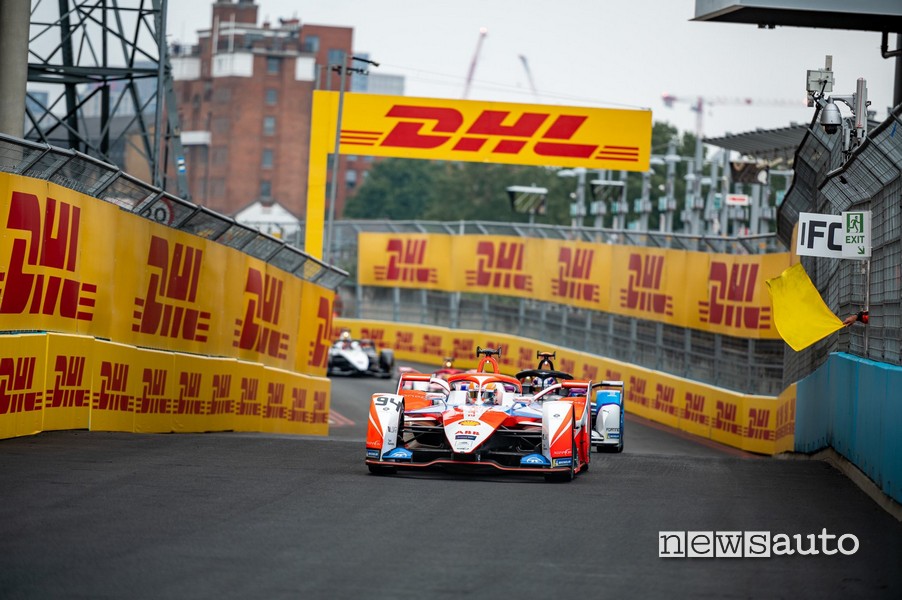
x=595, y=53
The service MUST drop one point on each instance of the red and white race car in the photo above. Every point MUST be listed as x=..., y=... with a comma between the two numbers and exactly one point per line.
x=479, y=421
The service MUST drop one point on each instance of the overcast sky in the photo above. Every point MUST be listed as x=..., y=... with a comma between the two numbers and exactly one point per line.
x=599, y=53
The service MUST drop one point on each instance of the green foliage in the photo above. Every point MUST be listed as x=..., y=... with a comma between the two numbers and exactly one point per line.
x=407, y=189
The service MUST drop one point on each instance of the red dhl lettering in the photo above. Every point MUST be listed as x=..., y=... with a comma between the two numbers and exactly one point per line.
x=298, y=405
x=221, y=397
x=432, y=345
x=694, y=410
x=51, y=244
x=153, y=395
x=189, y=400
x=376, y=334
x=612, y=375
x=258, y=331
x=173, y=282
x=462, y=348
x=726, y=417
x=644, y=285
x=574, y=275
x=405, y=262
x=499, y=265
x=636, y=391
x=247, y=403
x=664, y=395
x=319, y=351
x=730, y=296
x=567, y=365
x=67, y=388
x=430, y=127
x=590, y=372
x=319, y=401
x=525, y=357
x=404, y=341
x=275, y=398
x=757, y=427
x=113, y=388
x=16, y=381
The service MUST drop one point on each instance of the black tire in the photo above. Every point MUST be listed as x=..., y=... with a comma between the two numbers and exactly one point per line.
x=386, y=363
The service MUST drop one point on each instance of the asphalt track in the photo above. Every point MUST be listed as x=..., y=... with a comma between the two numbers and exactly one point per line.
x=227, y=515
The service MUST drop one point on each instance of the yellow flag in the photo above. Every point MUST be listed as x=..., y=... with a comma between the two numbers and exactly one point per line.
x=800, y=315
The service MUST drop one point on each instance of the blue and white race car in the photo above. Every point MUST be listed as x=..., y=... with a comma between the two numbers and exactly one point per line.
x=606, y=399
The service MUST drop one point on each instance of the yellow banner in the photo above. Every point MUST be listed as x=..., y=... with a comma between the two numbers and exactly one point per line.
x=720, y=293
x=315, y=334
x=116, y=383
x=478, y=131
x=67, y=400
x=22, y=368
x=419, y=260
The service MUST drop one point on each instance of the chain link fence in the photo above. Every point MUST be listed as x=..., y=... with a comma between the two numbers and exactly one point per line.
x=829, y=182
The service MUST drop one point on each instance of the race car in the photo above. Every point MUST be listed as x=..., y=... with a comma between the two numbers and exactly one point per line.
x=544, y=375
x=349, y=356
x=607, y=416
x=481, y=421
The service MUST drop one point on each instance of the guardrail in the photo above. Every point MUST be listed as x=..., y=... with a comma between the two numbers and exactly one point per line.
x=106, y=182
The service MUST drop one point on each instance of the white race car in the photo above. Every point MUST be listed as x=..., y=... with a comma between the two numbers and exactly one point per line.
x=349, y=356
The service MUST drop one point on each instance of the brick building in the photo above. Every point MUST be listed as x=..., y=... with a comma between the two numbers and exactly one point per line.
x=245, y=93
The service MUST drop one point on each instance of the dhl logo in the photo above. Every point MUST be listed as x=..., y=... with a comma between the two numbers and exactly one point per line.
x=432, y=345
x=377, y=334
x=694, y=411
x=462, y=348
x=35, y=281
x=574, y=275
x=758, y=424
x=590, y=372
x=612, y=375
x=221, y=396
x=113, y=393
x=525, y=357
x=500, y=265
x=643, y=289
x=275, y=401
x=258, y=330
x=636, y=391
x=319, y=350
x=664, y=396
x=247, y=403
x=404, y=342
x=189, y=401
x=16, y=385
x=730, y=297
x=725, y=418
x=786, y=419
x=68, y=390
x=153, y=398
x=298, y=410
x=319, y=415
x=567, y=365
x=166, y=309
x=496, y=132
x=406, y=259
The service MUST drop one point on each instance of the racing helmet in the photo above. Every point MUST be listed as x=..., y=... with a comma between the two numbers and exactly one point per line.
x=472, y=392
x=548, y=382
x=488, y=395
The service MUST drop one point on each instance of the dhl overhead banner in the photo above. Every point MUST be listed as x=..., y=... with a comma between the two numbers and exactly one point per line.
x=477, y=131
x=469, y=131
x=720, y=293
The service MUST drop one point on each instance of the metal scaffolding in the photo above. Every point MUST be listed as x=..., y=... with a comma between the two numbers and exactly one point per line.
x=100, y=83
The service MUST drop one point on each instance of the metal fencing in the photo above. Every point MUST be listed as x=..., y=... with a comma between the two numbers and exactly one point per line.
x=745, y=365
x=825, y=182
x=98, y=179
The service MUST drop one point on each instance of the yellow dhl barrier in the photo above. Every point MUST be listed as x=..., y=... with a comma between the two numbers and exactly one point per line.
x=75, y=264
x=59, y=381
x=719, y=293
x=761, y=424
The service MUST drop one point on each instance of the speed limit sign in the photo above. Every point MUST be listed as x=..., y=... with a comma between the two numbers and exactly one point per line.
x=162, y=211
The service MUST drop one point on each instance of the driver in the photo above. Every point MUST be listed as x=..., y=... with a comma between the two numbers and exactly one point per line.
x=488, y=396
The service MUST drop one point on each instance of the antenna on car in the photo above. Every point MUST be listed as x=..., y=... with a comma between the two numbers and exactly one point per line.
x=488, y=356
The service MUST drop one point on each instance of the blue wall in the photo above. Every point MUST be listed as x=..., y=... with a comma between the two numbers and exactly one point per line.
x=855, y=406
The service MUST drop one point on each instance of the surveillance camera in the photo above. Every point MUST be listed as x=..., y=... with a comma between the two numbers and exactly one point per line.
x=831, y=119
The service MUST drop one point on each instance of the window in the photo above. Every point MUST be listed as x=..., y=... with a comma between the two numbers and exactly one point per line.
x=222, y=95
x=265, y=189
x=350, y=179
x=220, y=155
x=311, y=44
x=269, y=125
x=273, y=65
x=267, y=159
x=272, y=96
x=337, y=57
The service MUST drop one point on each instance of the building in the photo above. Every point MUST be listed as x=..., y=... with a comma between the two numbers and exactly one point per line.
x=245, y=93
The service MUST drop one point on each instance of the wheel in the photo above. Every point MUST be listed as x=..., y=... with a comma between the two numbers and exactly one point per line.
x=620, y=441
x=381, y=470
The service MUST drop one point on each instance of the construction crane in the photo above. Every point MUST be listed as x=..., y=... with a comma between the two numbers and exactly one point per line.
x=532, y=85
x=700, y=102
x=482, y=33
